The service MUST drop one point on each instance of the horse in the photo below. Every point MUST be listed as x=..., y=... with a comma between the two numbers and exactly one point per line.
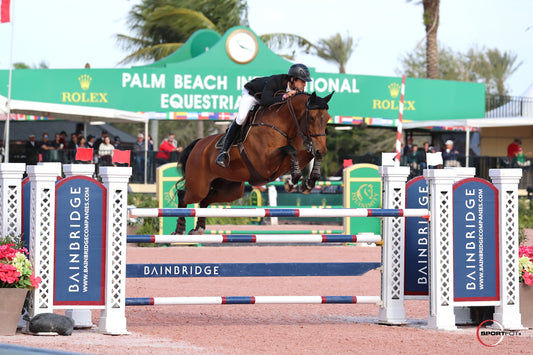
x=281, y=137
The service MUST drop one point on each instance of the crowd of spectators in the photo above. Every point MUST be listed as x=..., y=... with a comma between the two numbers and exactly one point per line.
x=58, y=149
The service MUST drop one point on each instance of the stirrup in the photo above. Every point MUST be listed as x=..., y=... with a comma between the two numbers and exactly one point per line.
x=221, y=159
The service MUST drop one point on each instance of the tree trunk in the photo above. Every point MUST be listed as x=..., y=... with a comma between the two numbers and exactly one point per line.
x=431, y=22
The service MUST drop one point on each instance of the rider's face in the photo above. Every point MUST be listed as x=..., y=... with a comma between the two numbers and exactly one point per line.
x=299, y=84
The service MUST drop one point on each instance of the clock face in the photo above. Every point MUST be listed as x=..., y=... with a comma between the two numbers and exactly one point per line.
x=242, y=46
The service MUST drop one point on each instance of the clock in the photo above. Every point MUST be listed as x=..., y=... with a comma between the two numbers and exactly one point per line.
x=242, y=46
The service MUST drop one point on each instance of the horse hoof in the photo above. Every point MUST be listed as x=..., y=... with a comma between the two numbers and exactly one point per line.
x=289, y=187
x=197, y=231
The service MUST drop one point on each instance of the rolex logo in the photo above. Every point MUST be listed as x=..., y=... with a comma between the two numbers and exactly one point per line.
x=394, y=90
x=85, y=81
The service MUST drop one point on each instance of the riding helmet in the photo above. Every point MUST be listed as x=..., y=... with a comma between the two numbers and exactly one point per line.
x=300, y=71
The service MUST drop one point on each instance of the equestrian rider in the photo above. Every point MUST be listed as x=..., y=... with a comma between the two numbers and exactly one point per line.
x=264, y=91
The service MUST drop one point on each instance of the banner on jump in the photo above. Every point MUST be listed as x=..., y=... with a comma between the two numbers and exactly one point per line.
x=475, y=246
x=416, y=240
x=80, y=243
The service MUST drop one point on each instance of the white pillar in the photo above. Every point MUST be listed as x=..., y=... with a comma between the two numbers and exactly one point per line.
x=42, y=228
x=82, y=317
x=10, y=198
x=441, y=288
x=508, y=312
x=113, y=317
x=462, y=314
x=392, y=310
x=273, y=202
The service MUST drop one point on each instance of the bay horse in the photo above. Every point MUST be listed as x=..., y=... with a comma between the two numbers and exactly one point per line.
x=282, y=137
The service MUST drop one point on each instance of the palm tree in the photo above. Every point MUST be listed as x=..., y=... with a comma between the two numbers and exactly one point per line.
x=279, y=41
x=161, y=27
x=336, y=49
x=431, y=23
x=497, y=67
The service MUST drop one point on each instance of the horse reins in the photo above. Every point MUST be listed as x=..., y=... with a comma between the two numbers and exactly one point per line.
x=306, y=137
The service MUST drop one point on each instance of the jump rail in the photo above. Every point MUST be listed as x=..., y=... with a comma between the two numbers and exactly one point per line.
x=256, y=238
x=153, y=301
x=278, y=212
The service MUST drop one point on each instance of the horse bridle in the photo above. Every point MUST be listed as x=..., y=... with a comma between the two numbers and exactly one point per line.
x=306, y=137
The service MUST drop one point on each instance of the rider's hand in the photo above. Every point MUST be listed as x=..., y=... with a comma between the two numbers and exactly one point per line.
x=289, y=94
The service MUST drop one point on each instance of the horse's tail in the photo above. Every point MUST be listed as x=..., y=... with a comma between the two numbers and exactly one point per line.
x=183, y=162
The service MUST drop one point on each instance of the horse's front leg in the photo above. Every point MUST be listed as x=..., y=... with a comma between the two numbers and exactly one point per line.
x=180, y=222
x=308, y=184
x=296, y=173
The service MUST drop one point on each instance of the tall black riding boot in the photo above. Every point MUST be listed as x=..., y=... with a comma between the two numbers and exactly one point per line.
x=228, y=141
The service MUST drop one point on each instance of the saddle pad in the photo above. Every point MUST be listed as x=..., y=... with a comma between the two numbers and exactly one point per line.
x=243, y=134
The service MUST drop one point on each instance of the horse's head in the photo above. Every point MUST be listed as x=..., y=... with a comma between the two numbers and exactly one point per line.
x=314, y=123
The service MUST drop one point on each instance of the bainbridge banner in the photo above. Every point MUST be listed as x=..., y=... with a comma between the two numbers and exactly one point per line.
x=80, y=242
x=416, y=240
x=475, y=244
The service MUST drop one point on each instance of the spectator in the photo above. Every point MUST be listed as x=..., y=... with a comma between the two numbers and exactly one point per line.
x=116, y=143
x=165, y=149
x=71, y=148
x=91, y=144
x=412, y=159
x=100, y=140
x=139, y=155
x=57, y=154
x=45, y=147
x=422, y=155
x=105, y=152
x=82, y=142
x=173, y=140
x=513, y=148
x=450, y=155
x=32, y=151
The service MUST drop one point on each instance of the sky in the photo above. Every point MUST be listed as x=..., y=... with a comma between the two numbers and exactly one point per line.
x=69, y=33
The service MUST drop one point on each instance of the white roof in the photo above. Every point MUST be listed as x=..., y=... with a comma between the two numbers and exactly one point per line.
x=472, y=122
x=71, y=112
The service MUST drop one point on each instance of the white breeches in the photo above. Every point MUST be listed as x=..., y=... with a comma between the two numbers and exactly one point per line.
x=246, y=104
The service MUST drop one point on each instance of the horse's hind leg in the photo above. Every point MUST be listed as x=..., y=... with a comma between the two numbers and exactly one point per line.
x=308, y=184
x=180, y=222
x=221, y=191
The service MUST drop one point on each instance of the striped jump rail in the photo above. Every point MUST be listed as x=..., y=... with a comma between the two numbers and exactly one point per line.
x=278, y=212
x=256, y=238
x=296, y=231
x=154, y=301
x=318, y=183
x=284, y=206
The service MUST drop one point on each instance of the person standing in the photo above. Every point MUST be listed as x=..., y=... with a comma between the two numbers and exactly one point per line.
x=31, y=148
x=45, y=147
x=450, y=155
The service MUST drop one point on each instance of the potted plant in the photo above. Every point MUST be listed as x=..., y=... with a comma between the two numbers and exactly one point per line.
x=16, y=279
x=525, y=264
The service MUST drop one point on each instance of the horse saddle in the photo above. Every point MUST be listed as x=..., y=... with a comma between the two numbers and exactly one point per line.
x=243, y=134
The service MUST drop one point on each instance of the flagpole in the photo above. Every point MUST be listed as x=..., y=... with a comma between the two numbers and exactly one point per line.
x=6, y=128
x=399, y=127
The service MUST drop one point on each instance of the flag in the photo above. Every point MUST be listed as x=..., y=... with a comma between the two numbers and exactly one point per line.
x=84, y=154
x=4, y=11
x=121, y=156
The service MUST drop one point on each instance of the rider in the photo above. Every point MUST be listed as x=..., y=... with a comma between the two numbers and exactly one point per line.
x=263, y=90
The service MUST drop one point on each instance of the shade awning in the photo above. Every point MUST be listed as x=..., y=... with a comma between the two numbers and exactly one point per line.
x=71, y=112
x=472, y=122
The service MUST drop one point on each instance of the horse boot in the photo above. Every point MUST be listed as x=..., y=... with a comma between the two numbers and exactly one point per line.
x=228, y=141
